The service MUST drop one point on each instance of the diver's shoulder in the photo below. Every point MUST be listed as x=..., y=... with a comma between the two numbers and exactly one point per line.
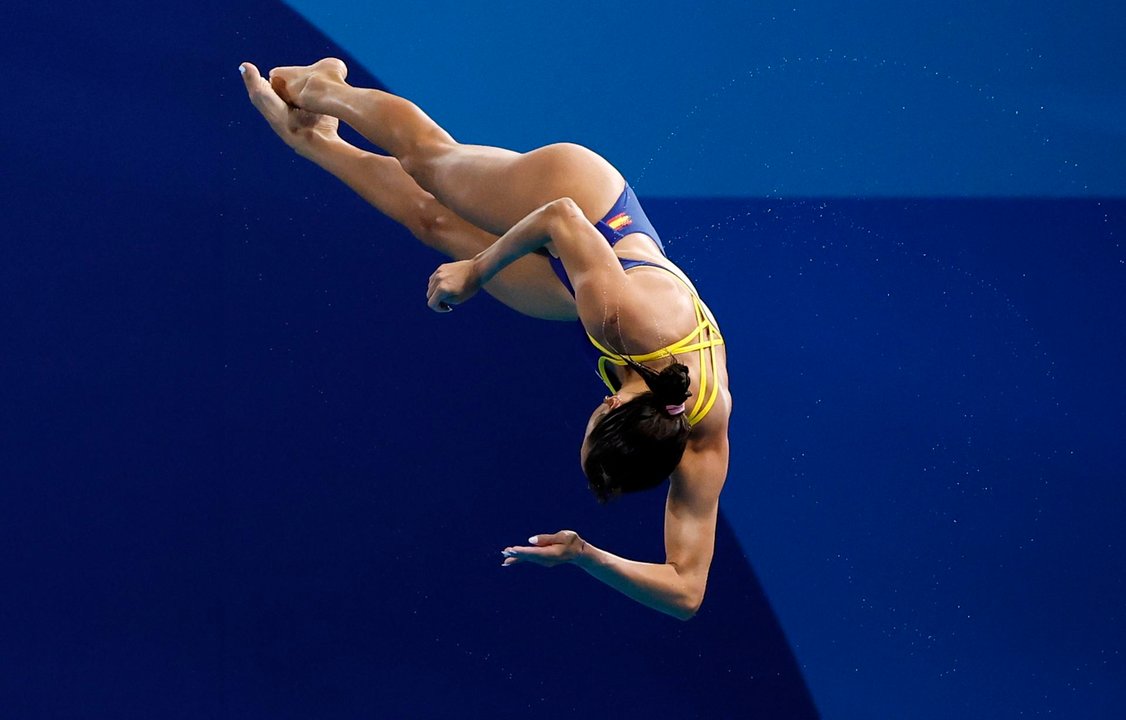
x=712, y=430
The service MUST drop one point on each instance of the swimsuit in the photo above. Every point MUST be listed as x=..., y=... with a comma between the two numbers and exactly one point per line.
x=625, y=215
x=626, y=218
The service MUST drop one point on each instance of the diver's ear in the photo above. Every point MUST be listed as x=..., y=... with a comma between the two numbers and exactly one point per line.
x=613, y=401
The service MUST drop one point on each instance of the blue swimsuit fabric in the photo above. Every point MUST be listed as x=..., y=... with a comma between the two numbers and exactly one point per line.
x=625, y=218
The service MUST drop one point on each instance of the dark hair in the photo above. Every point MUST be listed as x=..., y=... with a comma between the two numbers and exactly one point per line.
x=638, y=444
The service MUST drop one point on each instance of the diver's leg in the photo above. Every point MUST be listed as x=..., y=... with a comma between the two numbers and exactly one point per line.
x=528, y=285
x=491, y=187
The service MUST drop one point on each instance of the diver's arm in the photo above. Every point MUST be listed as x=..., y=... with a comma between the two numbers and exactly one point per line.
x=675, y=587
x=591, y=265
x=691, y=510
x=659, y=586
x=560, y=222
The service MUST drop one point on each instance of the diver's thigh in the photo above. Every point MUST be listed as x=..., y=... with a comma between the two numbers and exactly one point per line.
x=494, y=189
x=530, y=287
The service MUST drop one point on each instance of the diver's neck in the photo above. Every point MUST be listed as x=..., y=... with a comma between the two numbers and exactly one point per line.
x=633, y=385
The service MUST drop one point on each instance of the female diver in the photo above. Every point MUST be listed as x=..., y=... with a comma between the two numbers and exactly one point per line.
x=554, y=233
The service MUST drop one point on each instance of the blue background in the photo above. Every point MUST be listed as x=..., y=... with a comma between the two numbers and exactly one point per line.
x=246, y=473
x=770, y=98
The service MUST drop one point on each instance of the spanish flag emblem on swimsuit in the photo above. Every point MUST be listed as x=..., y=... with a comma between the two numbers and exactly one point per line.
x=619, y=221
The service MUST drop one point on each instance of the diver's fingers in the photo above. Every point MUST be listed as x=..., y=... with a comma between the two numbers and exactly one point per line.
x=560, y=538
x=537, y=555
x=435, y=300
x=261, y=94
x=436, y=295
x=250, y=75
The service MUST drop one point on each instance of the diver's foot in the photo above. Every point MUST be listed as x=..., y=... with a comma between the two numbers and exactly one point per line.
x=307, y=86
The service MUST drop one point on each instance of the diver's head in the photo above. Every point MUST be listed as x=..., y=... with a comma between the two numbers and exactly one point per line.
x=635, y=444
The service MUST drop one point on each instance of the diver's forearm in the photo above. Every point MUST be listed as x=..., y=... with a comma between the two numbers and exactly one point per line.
x=528, y=235
x=658, y=586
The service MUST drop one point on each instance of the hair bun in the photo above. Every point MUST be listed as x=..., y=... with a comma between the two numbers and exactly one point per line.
x=671, y=384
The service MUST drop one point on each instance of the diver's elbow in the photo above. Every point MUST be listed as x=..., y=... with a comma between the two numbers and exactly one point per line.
x=687, y=608
x=685, y=613
x=565, y=206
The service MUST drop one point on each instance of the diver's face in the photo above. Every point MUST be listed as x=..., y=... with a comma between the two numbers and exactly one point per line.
x=609, y=403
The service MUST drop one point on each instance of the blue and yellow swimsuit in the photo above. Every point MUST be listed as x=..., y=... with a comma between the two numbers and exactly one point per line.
x=626, y=218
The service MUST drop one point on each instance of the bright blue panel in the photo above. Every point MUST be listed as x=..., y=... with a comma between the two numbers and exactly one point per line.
x=769, y=98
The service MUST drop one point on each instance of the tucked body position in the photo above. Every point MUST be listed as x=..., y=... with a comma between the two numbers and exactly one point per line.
x=555, y=233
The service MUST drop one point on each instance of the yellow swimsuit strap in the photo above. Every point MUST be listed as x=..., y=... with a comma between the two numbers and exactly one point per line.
x=704, y=339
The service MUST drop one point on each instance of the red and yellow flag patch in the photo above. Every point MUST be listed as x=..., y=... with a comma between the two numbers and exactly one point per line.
x=619, y=221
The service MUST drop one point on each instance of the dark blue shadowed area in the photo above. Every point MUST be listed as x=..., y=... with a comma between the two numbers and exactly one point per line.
x=244, y=472
x=248, y=474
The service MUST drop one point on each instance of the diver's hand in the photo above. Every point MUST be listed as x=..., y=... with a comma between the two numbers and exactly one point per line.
x=298, y=128
x=547, y=550
x=452, y=284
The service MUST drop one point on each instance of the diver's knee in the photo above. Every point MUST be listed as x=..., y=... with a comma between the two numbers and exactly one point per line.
x=429, y=225
x=421, y=158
